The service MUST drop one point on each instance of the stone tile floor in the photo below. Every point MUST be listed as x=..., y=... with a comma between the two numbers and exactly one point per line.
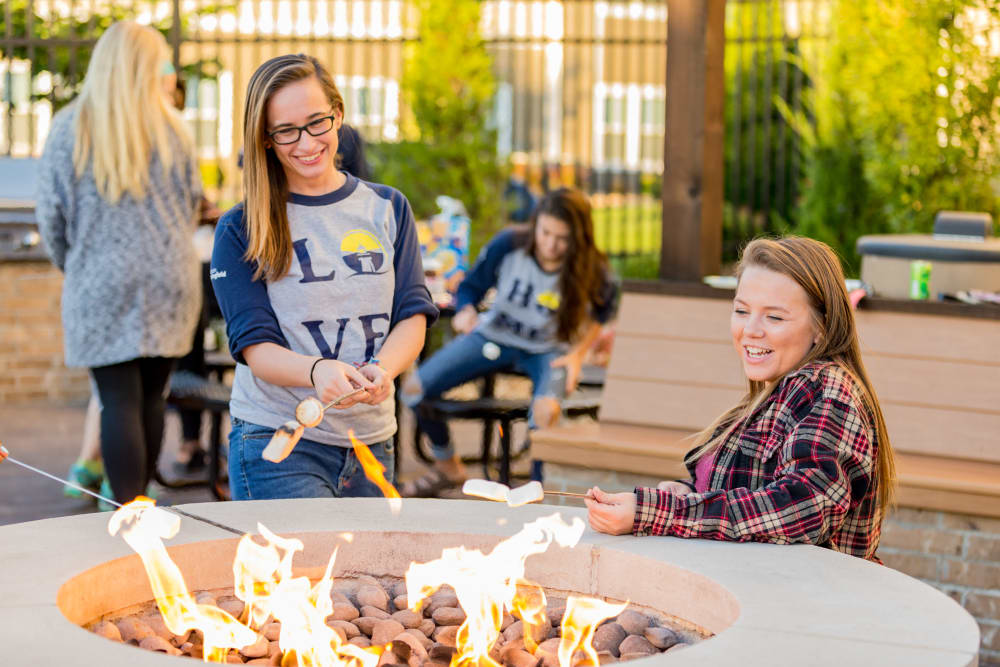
x=48, y=437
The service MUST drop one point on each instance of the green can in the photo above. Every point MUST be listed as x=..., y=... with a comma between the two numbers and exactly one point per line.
x=920, y=279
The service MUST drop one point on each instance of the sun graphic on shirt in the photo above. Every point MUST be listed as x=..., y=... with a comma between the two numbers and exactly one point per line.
x=362, y=252
x=548, y=300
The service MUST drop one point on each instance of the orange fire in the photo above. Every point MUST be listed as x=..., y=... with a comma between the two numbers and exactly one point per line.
x=375, y=471
x=487, y=586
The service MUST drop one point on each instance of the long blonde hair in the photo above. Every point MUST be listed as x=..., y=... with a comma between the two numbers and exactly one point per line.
x=815, y=268
x=124, y=117
x=265, y=187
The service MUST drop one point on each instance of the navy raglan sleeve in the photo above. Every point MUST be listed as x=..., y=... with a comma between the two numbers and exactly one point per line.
x=484, y=274
x=243, y=300
x=606, y=305
x=411, y=296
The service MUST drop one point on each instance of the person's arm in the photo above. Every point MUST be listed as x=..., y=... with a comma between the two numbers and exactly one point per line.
x=573, y=360
x=819, y=463
x=400, y=350
x=331, y=378
x=51, y=199
x=480, y=279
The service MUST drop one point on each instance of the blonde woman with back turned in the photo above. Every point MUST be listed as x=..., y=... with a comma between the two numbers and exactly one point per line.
x=118, y=190
x=804, y=457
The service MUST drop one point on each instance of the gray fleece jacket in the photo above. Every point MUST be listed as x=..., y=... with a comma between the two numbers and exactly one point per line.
x=132, y=284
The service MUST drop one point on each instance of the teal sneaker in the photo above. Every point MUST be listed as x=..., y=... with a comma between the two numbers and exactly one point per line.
x=88, y=474
x=107, y=493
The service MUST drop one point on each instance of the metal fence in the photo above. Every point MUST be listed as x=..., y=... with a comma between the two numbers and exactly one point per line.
x=580, y=98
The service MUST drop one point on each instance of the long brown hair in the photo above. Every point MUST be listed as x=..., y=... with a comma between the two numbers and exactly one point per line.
x=815, y=268
x=265, y=188
x=584, y=269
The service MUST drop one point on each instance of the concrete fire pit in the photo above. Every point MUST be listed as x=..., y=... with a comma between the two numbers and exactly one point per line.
x=768, y=605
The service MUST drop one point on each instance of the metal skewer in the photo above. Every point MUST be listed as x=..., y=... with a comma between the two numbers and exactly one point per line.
x=116, y=504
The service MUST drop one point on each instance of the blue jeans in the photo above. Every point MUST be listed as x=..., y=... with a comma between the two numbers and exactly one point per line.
x=312, y=470
x=463, y=359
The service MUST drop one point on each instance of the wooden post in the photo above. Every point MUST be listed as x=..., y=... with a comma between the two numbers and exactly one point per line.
x=692, y=152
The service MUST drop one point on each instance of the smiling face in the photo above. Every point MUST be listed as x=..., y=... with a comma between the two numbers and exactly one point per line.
x=308, y=163
x=772, y=323
x=551, y=241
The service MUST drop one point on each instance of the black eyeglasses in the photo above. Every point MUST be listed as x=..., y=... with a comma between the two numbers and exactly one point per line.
x=290, y=135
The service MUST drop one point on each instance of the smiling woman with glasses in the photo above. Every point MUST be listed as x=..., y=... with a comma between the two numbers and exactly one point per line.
x=319, y=277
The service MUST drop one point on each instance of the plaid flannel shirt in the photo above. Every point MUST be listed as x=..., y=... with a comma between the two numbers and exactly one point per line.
x=802, y=469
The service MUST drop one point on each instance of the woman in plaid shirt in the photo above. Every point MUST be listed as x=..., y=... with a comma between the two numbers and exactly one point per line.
x=804, y=457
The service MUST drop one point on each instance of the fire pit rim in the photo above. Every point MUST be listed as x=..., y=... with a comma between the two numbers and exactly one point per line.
x=796, y=597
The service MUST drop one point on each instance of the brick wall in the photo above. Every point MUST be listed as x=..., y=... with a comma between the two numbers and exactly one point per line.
x=31, y=340
x=959, y=554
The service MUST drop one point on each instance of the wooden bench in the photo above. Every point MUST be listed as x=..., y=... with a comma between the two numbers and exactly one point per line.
x=489, y=409
x=673, y=369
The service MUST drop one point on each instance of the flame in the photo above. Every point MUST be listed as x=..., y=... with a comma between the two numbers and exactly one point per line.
x=486, y=584
x=375, y=471
x=529, y=605
x=582, y=617
x=144, y=527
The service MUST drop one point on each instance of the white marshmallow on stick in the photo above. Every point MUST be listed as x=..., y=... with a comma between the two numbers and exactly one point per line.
x=532, y=492
x=283, y=441
x=484, y=488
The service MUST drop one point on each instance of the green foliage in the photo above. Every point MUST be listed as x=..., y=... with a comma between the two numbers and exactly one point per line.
x=448, y=149
x=904, y=120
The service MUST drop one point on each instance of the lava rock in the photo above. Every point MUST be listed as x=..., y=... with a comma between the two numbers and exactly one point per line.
x=233, y=607
x=408, y=619
x=419, y=636
x=373, y=596
x=427, y=626
x=132, y=629
x=108, y=630
x=608, y=637
x=661, y=637
x=555, y=610
x=206, y=598
x=366, y=624
x=401, y=602
x=157, y=643
x=441, y=652
x=415, y=647
x=441, y=598
x=448, y=616
x=360, y=641
x=338, y=631
x=518, y=657
x=374, y=612
x=446, y=634
x=273, y=630
x=606, y=658
x=636, y=644
x=344, y=612
x=514, y=631
x=349, y=629
x=385, y=630
x=633, y=622
x=256, y=650
x=336, y=597
x=548, y=651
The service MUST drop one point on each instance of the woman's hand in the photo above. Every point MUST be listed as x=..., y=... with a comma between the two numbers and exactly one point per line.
x=381, y=381
x=611, y=513
x=676, y=488
x=573, y=362
x=334, y=378
x=465, y=320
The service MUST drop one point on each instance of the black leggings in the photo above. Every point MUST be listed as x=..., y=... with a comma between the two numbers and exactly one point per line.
x=132, y=397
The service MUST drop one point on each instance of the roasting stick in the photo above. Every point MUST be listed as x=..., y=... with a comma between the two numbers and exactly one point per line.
x=532, y=492
x=567, y=494
x=308, y=413
x=10, y=458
